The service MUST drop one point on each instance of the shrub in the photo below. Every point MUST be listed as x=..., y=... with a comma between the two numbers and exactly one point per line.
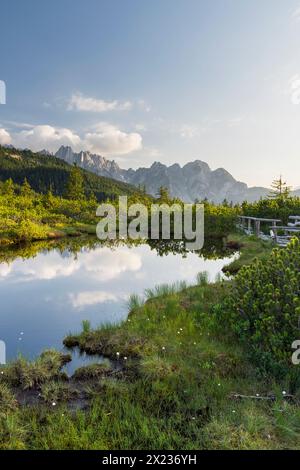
x=263, y=307
x=277, y=208
x=28, y=230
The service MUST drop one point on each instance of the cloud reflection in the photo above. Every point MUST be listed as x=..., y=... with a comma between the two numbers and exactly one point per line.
x=103, y=264
x=83, y=299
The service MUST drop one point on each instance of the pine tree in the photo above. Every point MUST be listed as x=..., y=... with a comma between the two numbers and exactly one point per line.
x=163, y=194
x=9, y=188
x=26, y=190
x=75, y=186
x=92, y=199
x=279, y=189
x=49, y=197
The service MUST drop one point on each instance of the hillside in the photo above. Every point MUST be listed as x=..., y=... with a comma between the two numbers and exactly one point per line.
x=45, y=171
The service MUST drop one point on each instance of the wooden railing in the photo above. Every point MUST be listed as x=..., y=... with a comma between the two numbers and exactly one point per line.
x=293, y=227
x=246, y=222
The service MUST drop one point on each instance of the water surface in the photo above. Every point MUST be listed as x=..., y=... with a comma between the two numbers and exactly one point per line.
x=46, y=294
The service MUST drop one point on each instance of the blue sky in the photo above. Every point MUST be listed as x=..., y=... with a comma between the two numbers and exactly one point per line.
x=167, y=80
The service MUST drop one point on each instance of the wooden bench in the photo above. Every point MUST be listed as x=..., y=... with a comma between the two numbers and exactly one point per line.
x=256, y=221
x=295, y=219
x=283, y=240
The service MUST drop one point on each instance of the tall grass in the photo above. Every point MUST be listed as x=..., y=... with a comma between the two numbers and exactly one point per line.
x=164, y=290
x=202, y=278
x=134, y=302
x=86, y=326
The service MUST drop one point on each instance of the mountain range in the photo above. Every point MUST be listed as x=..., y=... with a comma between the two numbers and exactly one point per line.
x=195, y=180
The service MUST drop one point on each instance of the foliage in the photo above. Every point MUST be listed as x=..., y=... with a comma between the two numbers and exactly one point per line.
x=45, y=172
x=75, y=186
x=263, y=307
x=275, y=208
x=279, y=190
x=219, y=220
x=26, y=215
x=249, y=247
x=163, y=195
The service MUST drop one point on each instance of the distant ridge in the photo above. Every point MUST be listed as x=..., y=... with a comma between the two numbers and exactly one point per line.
x=195, y=180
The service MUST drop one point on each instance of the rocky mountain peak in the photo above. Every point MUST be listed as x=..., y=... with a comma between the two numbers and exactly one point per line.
x=195, y=180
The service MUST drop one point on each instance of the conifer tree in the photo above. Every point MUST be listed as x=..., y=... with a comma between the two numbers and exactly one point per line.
x=279, y=189
x=9, y=188
x=26, y=190
x=75, y=186
x=163, y=194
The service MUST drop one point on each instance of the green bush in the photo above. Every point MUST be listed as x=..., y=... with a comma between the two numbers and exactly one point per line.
x=28, y=230
x=263, y=307
x=272, y=208
x=219, y=220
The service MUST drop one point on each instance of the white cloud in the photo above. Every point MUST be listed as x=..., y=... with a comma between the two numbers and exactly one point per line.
x=80, y=102
x=103, y=138
x=5, y=137
x=101, y=264
x=45, y=136
x=91, y=298
x=41, y=270
x=109, y=140
x=5, y=270
x=105, y=264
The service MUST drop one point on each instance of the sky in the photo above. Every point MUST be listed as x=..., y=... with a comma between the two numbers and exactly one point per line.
x=140, y=81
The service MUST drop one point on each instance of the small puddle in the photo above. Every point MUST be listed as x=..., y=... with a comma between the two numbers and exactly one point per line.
x=81, y=359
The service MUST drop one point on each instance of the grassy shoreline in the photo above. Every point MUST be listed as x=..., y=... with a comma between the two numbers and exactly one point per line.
x=174, y=386
x=250, y=248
